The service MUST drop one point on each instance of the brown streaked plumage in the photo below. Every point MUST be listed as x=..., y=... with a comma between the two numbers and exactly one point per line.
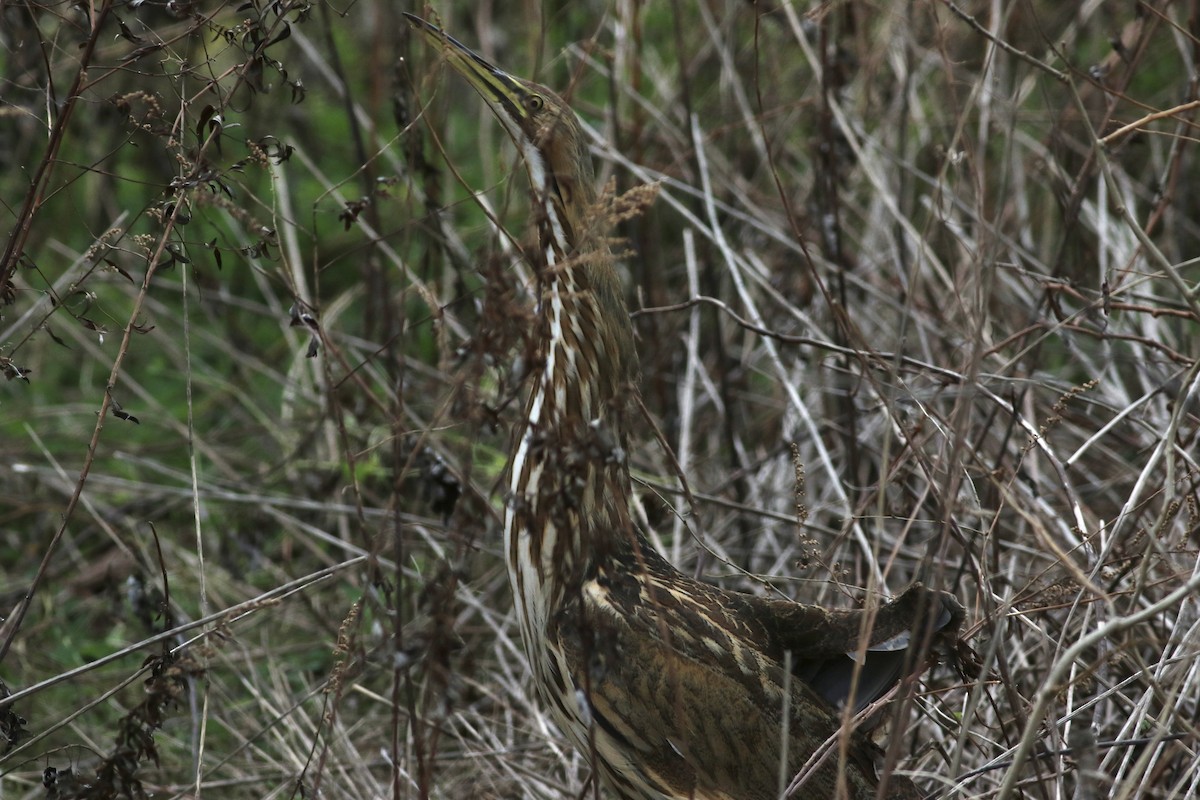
x=673, y=688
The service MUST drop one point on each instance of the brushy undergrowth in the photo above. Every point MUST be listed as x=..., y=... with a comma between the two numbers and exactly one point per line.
x=917, y=299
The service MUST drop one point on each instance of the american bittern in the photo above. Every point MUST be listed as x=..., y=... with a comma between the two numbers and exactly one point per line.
x=673, y=688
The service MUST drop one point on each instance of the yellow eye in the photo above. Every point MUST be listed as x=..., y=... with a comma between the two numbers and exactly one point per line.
x=534, y=102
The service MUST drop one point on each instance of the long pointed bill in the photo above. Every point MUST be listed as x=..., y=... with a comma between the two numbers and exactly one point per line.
x=517, y=106
x=495, y=85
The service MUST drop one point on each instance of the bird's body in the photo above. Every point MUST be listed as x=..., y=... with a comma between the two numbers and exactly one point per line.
x=672, y=688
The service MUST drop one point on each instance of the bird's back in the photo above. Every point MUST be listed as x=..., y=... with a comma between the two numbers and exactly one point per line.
x=685, y=699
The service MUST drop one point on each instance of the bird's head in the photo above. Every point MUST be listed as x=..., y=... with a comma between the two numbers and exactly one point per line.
x=541, y=124
x=551, y=141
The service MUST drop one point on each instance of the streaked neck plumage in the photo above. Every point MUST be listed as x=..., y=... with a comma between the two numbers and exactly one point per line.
x=569, y=489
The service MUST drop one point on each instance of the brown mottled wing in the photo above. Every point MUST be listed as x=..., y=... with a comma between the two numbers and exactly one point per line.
x=684, y=709
x=824, y=643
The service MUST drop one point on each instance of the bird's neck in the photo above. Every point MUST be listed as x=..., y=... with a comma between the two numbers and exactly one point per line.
x=568, y=508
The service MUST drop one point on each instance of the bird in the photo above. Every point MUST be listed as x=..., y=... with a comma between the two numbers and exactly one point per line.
x=670, y=687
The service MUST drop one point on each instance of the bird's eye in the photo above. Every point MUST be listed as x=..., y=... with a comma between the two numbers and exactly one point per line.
x=535, y=102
